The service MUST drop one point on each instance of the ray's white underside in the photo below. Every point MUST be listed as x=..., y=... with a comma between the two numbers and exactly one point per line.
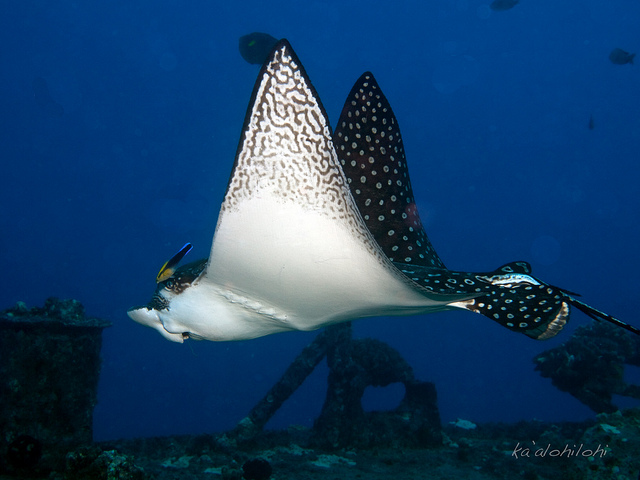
x=307, y=271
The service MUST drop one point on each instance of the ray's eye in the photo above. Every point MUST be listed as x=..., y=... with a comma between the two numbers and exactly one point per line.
x=170, y=284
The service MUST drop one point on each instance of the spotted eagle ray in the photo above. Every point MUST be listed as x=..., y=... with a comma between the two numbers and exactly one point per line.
x=311, y=235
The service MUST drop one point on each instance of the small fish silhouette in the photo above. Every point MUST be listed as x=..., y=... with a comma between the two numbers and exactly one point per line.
x=620, y=57
x=256, y=46
x=44, y=100
x=502, y=5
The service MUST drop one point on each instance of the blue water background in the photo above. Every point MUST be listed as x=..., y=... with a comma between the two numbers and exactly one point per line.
x=494, y=109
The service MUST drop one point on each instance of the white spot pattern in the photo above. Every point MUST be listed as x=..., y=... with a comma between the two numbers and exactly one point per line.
x=372, y=156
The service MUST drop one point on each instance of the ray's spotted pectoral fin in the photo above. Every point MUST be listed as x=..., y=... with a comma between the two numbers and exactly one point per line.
x=524, y=304
x=370, y=149
x=520, y=302
x=369, y=145
x=508, y=295
x=371, y=152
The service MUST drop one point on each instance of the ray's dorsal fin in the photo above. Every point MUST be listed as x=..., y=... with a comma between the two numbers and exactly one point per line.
x=370, y=149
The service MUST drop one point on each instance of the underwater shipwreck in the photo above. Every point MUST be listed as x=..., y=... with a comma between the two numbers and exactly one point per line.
x=333, y=200
x=48, y=395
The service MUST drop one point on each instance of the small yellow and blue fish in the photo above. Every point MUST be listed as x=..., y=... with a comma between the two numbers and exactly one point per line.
x=169, y=267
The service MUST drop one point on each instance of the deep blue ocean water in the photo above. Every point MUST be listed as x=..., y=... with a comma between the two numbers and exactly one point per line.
x=494, y=109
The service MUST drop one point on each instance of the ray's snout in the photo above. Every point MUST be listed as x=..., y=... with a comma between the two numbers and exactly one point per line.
x=150, y=318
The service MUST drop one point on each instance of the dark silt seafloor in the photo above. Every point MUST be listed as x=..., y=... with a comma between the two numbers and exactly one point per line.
x=42, y=384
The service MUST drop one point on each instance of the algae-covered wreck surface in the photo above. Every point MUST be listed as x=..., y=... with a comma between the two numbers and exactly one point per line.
x=603, y=449
x=49, y=371
x=491, y=451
